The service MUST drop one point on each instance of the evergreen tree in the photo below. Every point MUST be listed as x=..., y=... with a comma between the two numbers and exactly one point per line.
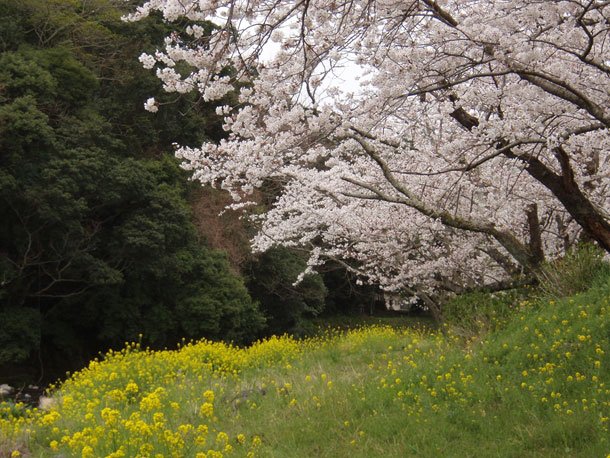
x=97, y=243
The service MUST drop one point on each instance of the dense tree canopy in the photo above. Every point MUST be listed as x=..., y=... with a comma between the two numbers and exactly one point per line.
x=97, y=243
x=287, y=306
x=475, y=145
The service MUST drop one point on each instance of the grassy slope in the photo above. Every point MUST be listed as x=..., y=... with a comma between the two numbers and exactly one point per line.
x=539, y=387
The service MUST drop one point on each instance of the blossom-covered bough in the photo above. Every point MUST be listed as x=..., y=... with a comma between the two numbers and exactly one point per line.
x=474, y=146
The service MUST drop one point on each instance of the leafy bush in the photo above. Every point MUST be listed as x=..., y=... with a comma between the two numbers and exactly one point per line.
x=579, y=269
x=286, y=306
x=476, y=313
x=19, y=333
x=479, y=312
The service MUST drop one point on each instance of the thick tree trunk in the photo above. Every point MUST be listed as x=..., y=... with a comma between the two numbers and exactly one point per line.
x=566, y=190
x=563, y=187
x=535, y=232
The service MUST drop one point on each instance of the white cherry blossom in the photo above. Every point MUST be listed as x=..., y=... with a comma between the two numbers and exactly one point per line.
x=476, y=145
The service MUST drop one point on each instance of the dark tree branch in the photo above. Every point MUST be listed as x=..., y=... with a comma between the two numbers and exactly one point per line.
x=535, y=232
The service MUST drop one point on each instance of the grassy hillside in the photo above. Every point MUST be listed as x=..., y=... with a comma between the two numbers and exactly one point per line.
x=539, y=387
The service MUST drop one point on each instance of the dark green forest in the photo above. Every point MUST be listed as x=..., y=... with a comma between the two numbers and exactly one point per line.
x=98, y=237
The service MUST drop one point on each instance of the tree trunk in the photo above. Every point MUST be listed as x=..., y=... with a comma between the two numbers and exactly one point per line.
x=566, y=190
x=563, y=186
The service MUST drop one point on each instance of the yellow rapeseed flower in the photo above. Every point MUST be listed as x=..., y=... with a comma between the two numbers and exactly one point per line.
x=110, y=416
x=222, y=438
x=132, y=388
x=208, y=395
x=206, y=410
x=120, y=453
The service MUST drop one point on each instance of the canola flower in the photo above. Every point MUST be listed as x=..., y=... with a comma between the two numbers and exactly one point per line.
x=125, y=404
x=190, y=402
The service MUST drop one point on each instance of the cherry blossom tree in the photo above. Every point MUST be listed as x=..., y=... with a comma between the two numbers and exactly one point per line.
x=425, y=144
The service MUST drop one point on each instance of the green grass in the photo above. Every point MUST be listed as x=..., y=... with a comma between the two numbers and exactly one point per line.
x=536, y=386
x=347, y=322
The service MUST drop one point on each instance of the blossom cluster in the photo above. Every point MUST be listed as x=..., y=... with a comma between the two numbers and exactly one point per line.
x=441, y=157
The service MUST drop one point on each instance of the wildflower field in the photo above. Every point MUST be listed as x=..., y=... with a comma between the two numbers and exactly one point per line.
x=537, y=386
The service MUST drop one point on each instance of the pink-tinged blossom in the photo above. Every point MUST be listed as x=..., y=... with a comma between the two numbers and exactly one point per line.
x=151, y=105
x=437, y=168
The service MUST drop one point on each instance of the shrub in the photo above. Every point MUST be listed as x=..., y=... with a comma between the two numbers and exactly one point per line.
x=578, y=270
x=480, y=312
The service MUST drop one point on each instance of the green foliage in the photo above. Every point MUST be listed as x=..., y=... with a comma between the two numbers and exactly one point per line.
x=477, y=313
x=346, y=296
x=286, y=306
x=19, y=334
x=97, y=243
x=580, y=268
x=21, y=75
x=24, y=129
